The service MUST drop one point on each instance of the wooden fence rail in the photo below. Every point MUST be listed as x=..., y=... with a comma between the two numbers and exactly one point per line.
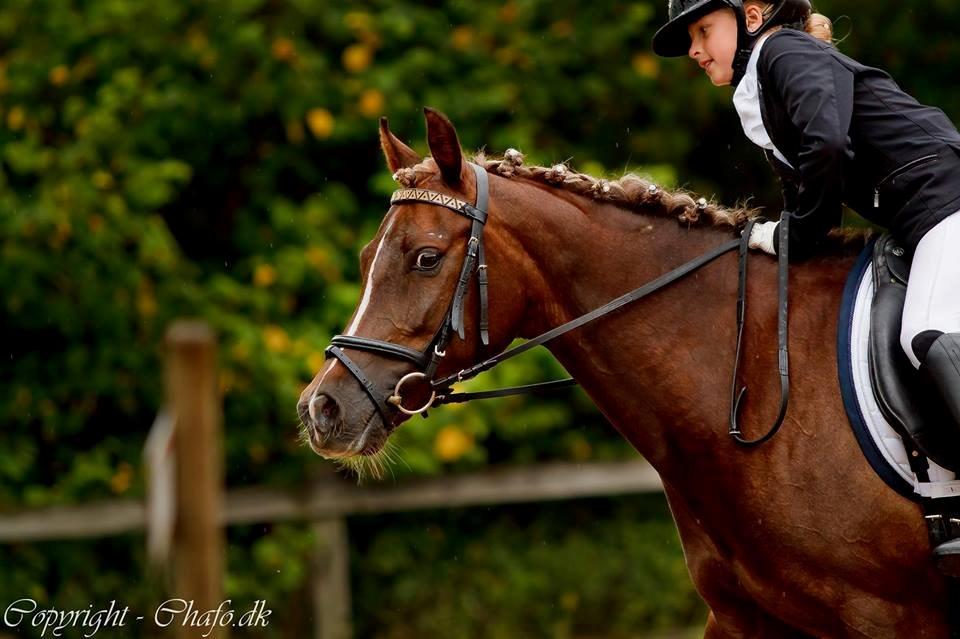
x=338, y=498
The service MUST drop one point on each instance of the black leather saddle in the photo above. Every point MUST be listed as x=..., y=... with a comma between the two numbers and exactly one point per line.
x=906, y=400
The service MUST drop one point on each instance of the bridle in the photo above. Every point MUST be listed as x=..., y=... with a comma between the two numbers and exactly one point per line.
x=474, y=261
x=428, y=359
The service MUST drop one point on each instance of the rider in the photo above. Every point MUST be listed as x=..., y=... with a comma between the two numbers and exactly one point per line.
x=837, y=131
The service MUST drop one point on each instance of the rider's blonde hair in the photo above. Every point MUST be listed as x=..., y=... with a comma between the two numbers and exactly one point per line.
x=817, y=24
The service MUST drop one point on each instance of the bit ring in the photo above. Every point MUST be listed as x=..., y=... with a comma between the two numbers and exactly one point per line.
x=397, y=400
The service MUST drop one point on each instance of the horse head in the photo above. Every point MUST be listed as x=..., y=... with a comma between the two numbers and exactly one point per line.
x=422, y=313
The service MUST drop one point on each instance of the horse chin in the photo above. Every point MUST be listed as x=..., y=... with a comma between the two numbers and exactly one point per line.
x=375, y=443
x=369, y=441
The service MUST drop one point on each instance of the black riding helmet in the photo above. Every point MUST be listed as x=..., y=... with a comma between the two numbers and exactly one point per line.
x=673, y=40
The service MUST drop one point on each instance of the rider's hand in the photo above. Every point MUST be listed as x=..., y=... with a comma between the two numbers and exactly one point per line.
x=761, y=236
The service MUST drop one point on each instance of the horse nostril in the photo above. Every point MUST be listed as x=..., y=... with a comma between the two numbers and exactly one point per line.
x=324, y=411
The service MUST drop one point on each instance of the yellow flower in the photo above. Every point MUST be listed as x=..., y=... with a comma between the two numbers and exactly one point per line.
x=197, y=39
x=121, y=480
x=646, y=65
x=462, y=37
x=317, y=257
x=283, y=49
x=15, y=118
x=276, y=338
x=570, y=600
x=102, y=179
x=59, y=75
x=320, y=260
x=452, y=443
x=264, y=275
x=320, y=122
x=146, y=300
x=357, y=57
x=371, y=103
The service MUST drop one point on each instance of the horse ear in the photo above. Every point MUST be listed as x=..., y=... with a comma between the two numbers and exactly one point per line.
x=444, y=146
x=398, y=154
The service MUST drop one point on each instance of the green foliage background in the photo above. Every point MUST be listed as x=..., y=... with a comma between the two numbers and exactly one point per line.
x=220, y=159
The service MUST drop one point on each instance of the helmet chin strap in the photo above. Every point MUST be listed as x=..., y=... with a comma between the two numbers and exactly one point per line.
x=745, y=42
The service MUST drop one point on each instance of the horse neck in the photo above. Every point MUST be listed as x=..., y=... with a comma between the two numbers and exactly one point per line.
x=654, y=367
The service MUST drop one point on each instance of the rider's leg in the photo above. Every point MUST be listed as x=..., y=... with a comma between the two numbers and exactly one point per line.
x=932, y=306
x=930, y=332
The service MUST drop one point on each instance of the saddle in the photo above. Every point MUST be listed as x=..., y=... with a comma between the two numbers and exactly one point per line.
x=909, y=404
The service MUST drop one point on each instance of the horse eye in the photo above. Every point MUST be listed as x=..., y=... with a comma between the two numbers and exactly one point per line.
x=428, y=260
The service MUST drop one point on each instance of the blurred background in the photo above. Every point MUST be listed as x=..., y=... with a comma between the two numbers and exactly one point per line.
x=220, y=160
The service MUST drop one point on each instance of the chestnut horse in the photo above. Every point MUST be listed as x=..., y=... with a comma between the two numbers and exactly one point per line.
x=796, y=538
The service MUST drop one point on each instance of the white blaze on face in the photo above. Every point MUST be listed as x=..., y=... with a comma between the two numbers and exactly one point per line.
x=367, y=294
x=364, y=301
x=368, y=290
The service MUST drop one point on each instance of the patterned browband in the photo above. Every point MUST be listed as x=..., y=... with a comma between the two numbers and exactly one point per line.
x=432, y=197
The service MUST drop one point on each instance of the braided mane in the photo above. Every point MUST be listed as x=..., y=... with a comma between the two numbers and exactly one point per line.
x=634, y=193
x=631, y=191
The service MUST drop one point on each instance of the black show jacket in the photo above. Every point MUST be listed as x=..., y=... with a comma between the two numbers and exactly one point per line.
x=853, y=136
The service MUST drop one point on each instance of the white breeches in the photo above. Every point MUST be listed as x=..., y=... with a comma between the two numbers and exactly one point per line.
x=933, y=290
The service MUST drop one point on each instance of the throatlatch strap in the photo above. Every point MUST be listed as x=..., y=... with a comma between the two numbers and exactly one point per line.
x=482, y=279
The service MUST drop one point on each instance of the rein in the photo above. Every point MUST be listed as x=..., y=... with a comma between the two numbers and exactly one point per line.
x=783, y=355
x=474, y=261
x=609, y=307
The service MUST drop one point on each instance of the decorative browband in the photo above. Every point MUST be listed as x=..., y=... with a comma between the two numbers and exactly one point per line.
x=423, y=195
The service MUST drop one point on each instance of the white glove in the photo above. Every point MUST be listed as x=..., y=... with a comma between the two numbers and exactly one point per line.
x=761, y=236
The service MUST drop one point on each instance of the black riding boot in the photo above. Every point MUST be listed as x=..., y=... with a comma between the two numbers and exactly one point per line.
x=941, y=367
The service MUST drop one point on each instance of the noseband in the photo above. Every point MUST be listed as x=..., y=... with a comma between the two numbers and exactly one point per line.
x=428, y=359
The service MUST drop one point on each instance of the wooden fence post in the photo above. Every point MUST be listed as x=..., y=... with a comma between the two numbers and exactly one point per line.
x=331, y=581
x=193, y=398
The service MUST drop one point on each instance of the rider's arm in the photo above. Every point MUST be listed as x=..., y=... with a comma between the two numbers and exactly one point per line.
x=816, y=92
